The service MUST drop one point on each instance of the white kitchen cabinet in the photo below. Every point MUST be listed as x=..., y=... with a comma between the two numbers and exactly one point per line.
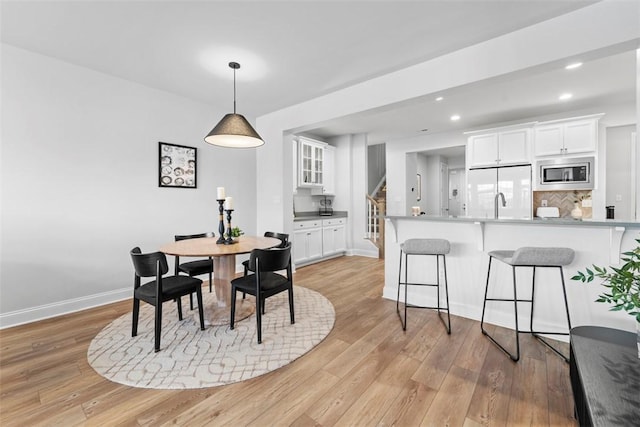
x=294, y=156
x=334, y=236
x=500, y=148
x=310, y=162
x=566, y=137
x=307, y=243
x=328, y=173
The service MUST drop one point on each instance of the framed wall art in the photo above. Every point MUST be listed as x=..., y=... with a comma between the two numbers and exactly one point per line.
x=177, y=166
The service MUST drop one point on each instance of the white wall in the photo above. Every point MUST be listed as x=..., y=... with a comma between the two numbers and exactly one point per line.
x=619, y=185
x=351, y=190
x=413, y=165
x=80, y=183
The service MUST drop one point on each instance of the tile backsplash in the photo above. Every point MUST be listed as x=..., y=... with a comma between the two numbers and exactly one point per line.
x=563, y=200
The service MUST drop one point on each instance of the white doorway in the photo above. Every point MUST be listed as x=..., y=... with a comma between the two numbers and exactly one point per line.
x=456, y=194
x=444, y=189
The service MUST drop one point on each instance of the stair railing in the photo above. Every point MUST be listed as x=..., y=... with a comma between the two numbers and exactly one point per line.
x=375, y=222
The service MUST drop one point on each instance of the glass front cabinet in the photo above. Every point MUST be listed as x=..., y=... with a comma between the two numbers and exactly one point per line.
x=310, y=172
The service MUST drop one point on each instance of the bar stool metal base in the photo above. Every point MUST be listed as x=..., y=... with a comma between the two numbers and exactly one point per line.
x=515, y=357
x=439, y=308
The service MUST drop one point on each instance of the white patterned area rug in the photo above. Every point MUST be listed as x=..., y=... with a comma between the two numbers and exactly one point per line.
x=191, y=358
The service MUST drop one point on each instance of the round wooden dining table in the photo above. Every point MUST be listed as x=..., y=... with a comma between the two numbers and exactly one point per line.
x=224, y=270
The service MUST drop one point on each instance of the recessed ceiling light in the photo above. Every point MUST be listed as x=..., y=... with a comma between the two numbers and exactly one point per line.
x=455, y=117
x=439, y=98
x=565, y=96
x=573, y=66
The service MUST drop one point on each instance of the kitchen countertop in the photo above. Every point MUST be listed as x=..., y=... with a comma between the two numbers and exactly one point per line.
x=304, y=216
x=534, y=221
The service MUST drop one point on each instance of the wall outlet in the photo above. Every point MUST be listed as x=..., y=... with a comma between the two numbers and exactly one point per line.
x=543, y=203
x=587, y=203
x=618, y=197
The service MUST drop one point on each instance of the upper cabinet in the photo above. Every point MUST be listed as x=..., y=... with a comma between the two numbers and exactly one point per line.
x=328, y=173
x=570, y=136
x=294, y=157
x=500, y=148
x=311, y=162
x=315, y=166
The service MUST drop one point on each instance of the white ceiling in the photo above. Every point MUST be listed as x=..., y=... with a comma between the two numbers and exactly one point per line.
x=297, y=50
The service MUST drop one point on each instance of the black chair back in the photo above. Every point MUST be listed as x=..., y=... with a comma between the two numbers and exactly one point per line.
x=274, y=259
x=146, y=265
x=284, y=238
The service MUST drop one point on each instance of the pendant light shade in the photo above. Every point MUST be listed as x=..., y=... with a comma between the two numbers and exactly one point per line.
x=234, y=130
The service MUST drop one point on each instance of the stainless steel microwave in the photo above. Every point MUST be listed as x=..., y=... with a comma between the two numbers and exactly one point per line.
x=566, y=174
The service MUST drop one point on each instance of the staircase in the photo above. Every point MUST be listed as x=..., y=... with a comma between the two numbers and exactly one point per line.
x=376, y=209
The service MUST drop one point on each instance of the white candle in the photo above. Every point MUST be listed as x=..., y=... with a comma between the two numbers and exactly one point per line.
x=228, y=203
x=220, y=193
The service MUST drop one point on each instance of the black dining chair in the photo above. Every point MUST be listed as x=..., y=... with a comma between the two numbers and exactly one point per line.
x=160, y=290
x=265, y=281
x=284, y=239
x=196, y=267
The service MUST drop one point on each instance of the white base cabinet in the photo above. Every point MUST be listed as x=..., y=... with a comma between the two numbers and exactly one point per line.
x=315, y=240
x=333, y=236
x=307, y=243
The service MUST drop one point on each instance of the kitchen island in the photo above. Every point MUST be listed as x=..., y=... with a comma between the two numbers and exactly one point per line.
x=597, y=242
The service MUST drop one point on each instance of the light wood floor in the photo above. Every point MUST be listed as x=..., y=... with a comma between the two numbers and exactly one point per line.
x=366, y=372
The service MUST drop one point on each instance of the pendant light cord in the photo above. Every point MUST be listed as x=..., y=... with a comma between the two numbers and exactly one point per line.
x=234, y=90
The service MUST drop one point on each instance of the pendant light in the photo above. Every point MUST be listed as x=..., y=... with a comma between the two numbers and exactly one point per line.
x=234, y=130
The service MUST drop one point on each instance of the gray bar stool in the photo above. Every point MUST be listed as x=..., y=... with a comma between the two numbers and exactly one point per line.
x=529, y=257
x=434, y=247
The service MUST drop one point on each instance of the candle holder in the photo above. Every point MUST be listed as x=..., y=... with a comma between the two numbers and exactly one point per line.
x=221, y=240
x=229, y=240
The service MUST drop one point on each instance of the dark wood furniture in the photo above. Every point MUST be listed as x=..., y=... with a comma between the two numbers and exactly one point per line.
x=605, y=376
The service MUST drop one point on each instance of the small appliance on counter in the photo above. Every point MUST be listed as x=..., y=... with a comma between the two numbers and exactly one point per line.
x=325, y=207
x=547, y=212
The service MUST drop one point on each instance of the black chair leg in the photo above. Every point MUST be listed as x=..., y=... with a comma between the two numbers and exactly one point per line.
x=566, y=307
x=136, y=313
x=398, y=297
x=486, y=292
x=233, y=308
x=158, y=327
x=403, y=322
x=259, y=317
x=191, y=301
x=446, y=293
x=211, y=276
x=200, y=309
x=293, y=319
x=179, y=304
x=513, y=357
x=515, y=310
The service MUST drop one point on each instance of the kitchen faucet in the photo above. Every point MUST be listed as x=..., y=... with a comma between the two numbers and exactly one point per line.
x=495, y=203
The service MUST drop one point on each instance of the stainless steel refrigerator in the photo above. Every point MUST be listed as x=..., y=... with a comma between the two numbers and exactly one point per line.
x=506, y=190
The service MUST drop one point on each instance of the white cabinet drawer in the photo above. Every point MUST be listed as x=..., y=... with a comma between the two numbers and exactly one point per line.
x=303, y=225
x=333, y=221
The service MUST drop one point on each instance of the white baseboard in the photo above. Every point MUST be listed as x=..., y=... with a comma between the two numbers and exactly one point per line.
x=33, y=314
x=363, y=252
